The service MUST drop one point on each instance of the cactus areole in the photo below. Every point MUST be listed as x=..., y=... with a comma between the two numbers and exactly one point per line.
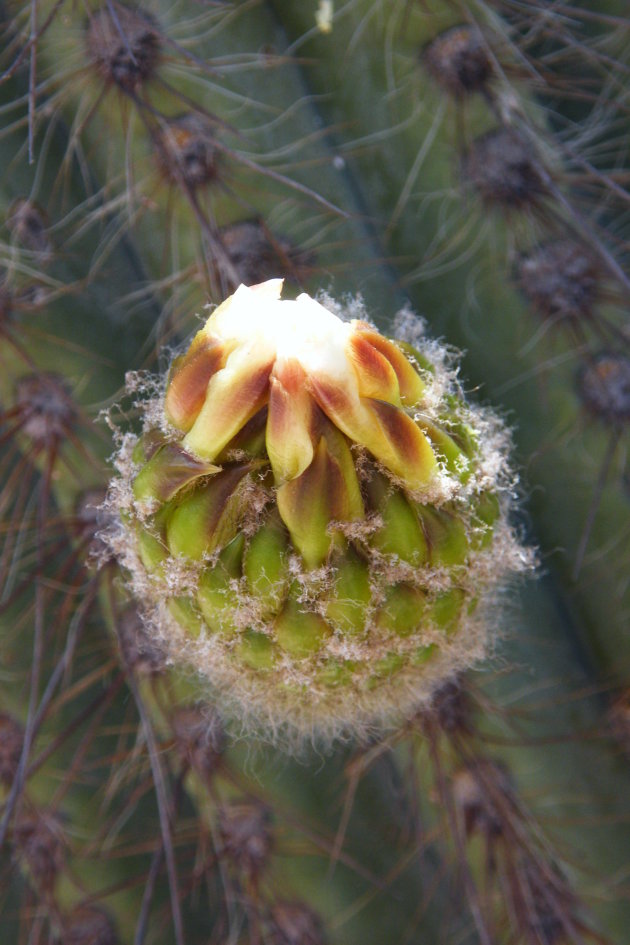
x=313, y=518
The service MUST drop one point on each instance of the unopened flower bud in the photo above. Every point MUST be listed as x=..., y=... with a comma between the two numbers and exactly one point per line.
x=314, y=518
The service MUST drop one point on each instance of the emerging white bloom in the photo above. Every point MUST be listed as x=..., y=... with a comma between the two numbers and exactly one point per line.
x=318, y=523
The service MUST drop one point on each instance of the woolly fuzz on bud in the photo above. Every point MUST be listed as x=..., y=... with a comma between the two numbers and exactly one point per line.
x=313, y=519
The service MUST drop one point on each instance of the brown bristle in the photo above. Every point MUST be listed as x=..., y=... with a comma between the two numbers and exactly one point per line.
x=124, y=44
x=561, y=280
x=458, y=60
x=605, y=386
x=505, y=170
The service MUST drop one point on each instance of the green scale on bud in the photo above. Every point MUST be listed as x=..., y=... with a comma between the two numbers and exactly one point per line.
x=314, y=518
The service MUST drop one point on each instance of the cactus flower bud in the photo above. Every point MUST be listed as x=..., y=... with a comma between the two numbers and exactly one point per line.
x=314, y=518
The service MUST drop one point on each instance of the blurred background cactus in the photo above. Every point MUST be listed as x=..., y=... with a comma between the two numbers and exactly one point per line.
x=466, y=161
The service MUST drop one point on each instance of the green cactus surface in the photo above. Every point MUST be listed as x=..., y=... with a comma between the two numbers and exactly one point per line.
x=263, y=679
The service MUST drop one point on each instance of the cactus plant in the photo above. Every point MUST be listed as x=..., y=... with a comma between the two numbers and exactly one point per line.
x=467, y=159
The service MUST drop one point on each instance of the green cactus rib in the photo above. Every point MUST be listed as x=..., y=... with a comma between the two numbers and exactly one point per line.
x=82, y=805
x=84, y=353
x=266, y=168
x=495, y=332
x=562, y=446
x=114, y=343
x=542, y=648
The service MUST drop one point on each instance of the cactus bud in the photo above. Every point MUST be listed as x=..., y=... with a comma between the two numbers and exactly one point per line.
x=318, y=522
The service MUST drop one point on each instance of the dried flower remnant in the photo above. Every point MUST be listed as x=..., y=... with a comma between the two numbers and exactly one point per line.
x=314, y=519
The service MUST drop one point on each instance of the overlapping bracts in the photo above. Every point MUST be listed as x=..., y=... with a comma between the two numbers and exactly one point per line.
x=314, y=517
